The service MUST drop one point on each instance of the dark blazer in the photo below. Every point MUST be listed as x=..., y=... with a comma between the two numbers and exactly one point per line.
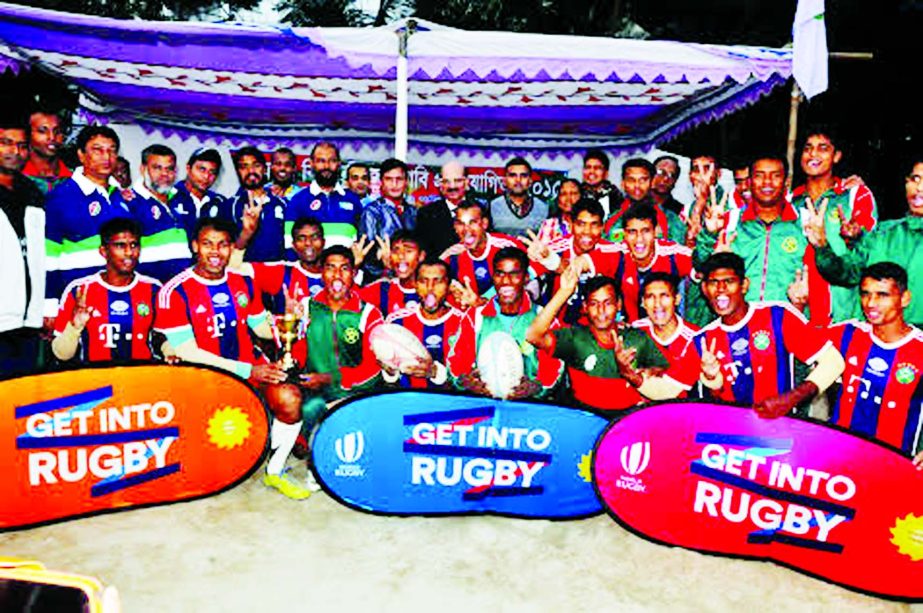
x=435, y=227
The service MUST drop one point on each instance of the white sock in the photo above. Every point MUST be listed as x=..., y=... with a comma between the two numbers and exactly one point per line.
x=282, y=438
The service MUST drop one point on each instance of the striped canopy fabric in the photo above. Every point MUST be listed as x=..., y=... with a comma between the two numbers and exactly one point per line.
x=467, y=91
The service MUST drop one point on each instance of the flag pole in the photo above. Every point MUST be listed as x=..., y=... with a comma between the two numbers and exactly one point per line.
x=792, y=129
x=400, y=112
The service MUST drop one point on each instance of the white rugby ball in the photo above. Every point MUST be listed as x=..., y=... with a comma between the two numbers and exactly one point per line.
x=500, y=363
x=396, y=346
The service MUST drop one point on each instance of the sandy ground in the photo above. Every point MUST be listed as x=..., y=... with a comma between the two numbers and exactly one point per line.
x=252, y=550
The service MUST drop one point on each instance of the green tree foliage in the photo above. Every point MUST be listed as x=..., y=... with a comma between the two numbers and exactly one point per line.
x=583, y=17
x=180, y=10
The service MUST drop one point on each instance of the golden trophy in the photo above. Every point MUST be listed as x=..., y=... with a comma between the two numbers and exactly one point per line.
x=287, y=325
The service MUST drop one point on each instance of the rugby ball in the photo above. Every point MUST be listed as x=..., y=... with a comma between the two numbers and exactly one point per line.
x=500, y=363
x=396, y=346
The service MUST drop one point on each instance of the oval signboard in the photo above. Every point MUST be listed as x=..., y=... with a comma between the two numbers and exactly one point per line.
x=719, y=479
x=418, y=453
x=88, y=441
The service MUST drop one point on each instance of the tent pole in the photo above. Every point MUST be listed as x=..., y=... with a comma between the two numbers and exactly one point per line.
x=792, y=129
x=400, y=116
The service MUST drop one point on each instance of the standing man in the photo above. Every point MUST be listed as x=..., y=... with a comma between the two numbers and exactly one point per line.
x=388, y=213
x=325, y=199
x=896, y=240
x=666, y=173
x=108, y=317
x=882, y=392
x=752, y=345
x=268, y=244
x=76, y=209
x=518, y=211
x=194, y=198
x=206, y=313
x=165, y=248
x=359, y=180
x=436, y=220
x=283, y=174
x=637, y=175
x=596, y=183
x=45, y=142
x=511, y=311
x=851, y=212
x=434, y=322
x=22, y=253
x=742, y=195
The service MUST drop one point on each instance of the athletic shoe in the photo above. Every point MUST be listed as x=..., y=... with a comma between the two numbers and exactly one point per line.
x=311, y=482
x=286, y=486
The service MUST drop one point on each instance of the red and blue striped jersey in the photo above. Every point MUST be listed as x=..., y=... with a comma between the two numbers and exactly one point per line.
x=685, y=363
x=388, y=296
x=271, y=278
x=882, y=393
x=478, y=270
x=437, y=335
x=669, y=257
x=120, y=321
x=756, y=353
x=216, y=311
x=605, y=259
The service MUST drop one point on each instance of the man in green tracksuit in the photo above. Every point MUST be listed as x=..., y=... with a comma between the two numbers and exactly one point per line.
x=899, y=241
x=769, y=237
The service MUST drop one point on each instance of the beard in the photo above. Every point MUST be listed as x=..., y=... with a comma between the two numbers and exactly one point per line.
x=326, y=178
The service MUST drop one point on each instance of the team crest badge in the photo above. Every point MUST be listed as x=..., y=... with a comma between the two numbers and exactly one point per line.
x=315, y=205
x=143, y=309
x=905, y=373
x=242, y=301
x=155, y=212
x=95, y=208
x=590, y=363
x=761, y=340
x=789, y=245
x=351, y=335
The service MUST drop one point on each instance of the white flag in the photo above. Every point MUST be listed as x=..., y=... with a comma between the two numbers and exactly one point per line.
x=809, y=33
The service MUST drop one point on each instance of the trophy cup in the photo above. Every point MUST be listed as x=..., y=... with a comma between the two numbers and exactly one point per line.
x=287, y=324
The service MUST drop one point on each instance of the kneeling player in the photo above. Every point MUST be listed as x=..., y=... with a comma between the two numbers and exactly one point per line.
x=205, y=313
x=754, y=344
x=108, y=316
x=434, y=322
x=882, y=389
x=609, y=367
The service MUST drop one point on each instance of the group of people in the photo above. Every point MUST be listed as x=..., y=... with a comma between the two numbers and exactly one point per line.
x=615, y=295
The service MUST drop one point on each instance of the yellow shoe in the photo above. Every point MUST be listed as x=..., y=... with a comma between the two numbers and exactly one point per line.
x=286, y=486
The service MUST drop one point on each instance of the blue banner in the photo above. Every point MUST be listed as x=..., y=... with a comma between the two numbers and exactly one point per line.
x=418, y=453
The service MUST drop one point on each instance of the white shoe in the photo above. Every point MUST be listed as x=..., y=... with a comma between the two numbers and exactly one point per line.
x=311, y=483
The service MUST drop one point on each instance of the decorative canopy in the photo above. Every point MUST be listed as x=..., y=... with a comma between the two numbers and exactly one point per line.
x=465, y=90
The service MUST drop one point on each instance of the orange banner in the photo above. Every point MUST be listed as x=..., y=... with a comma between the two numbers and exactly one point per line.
x=89, y=441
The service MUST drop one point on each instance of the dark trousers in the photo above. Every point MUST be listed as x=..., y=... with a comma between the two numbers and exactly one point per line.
x=18, y=352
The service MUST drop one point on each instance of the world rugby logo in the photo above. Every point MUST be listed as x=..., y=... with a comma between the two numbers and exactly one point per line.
x=635, y=457
x=349, y=447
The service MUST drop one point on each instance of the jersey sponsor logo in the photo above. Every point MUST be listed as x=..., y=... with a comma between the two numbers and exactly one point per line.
x=315, y=205
x=143, y=309
x=589, y=363
x=346, y=206
x=213, y=212
x=280, y=212
x=877, y=366
x=740, y=346
x=315, y=289
x=481, y=273
x=119, y=307
x=906, y=373
x=242, y=300
x=95, y=208
x=221, y=299
x=762, y=340
x=219, y=323
x=789, y=245
x=351, y=335
x=433, y=341
x=109, y=334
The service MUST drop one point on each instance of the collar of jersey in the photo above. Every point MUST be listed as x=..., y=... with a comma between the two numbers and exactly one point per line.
x=492, y=308
x=353, y=304
x=316, y=190
x=142, y=190
x=88, y=187
x=114, y=288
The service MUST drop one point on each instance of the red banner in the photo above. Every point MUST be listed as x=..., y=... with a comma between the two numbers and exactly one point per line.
x=88, y=441
x=719, y=479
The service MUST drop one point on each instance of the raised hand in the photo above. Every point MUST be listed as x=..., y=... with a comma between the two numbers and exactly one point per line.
x=814, y=228
x=798, y=290
x=625, y=358
x=384, y=251
x=711, y=367
x=361, y=248
x=715, y=217
x=723, y=244
x=465, y=295
x=251, y=217
x=538, y=249
x=850, y=230
x=570, y=278
x=81, y=314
